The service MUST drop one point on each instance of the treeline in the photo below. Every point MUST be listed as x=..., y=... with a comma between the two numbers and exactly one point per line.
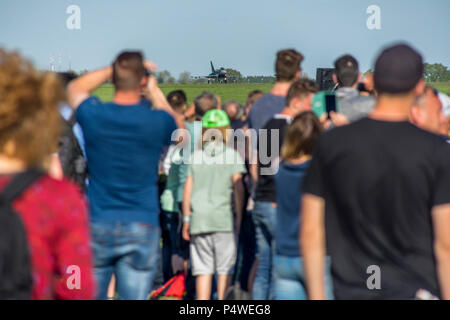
x=185, y=77
x=436, y=72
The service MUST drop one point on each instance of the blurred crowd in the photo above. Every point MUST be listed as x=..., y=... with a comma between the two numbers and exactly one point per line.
x=301, y=193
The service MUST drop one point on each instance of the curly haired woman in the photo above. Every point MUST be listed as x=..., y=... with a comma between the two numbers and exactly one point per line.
x=52, y=211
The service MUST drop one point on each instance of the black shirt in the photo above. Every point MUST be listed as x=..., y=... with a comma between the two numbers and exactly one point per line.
x=379, y=181
x=268, y=158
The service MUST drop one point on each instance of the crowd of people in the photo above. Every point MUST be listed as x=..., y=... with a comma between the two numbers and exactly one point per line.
x=273, y=199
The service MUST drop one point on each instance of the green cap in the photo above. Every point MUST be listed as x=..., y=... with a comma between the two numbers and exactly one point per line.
x=215, y=119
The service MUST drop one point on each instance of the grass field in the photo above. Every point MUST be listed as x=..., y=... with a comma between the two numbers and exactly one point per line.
x=226, y=92
x=441, y=86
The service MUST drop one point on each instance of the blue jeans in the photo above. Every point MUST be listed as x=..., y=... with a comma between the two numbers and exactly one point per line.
x=131, y=252
x=246, y=251
x=264, y=217
x=289, y=278
x=170, y=236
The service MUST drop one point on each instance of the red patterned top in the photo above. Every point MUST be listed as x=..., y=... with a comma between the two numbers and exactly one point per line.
x=55, y=218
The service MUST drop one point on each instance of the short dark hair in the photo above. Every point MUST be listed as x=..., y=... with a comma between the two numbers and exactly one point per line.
x=253, y=96
x=287, y=64
x=177, y=99
x=398, y=69
x=128, y=70
x=205, y=102
x=300, y=89
x=347, y=70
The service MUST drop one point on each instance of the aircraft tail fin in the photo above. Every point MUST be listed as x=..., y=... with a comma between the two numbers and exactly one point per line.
x=212, y=67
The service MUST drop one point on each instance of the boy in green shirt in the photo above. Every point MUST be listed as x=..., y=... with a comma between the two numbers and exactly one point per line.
x=214, y=172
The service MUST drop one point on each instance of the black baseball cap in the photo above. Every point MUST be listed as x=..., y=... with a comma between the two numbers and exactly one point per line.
x=398, y=69
x=346, y=69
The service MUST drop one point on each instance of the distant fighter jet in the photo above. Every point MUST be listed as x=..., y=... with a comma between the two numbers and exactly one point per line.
x=220, y=75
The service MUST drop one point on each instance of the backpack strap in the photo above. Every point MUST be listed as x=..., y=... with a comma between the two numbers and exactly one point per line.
x=19, y=183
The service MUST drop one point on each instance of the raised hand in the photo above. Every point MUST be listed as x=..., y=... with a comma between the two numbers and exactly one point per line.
x=149, y=65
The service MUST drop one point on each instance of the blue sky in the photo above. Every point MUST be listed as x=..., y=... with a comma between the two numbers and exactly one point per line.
x=241, y=34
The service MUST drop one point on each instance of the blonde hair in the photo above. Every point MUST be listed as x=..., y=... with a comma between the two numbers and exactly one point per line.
x=29, y=117
x=301, y=136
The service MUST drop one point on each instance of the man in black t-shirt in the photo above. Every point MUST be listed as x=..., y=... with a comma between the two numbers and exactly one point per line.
x=378, y=190
x=298, y=99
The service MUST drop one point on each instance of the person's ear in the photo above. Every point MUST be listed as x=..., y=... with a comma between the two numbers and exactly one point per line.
x=297, y=104
x=419, y=89
x=335, y=79
x=298, y=74
x=358, y=79
x=304, y=105
x=144, y=81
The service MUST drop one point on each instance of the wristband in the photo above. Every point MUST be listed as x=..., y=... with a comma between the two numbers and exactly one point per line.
x=186, y=219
